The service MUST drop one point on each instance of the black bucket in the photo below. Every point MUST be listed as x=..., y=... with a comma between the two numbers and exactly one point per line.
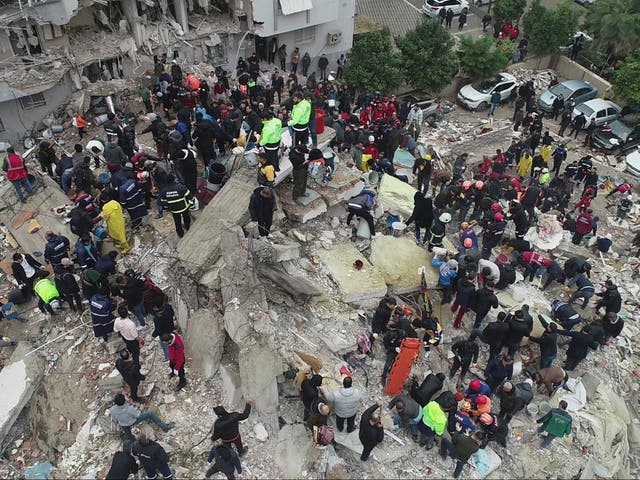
x=217, y=171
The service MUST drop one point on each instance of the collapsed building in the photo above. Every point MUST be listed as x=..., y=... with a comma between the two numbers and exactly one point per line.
x=52, y=48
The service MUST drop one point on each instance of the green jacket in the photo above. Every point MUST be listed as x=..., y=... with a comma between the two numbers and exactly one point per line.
x=46, y=290
x=301, y=113
x=434, y=418
x=271, y=131
x=557, y=422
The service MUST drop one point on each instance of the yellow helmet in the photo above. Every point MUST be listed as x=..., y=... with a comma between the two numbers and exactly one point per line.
x=427, y=157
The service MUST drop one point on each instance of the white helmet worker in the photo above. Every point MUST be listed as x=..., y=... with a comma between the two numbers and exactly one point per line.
x=445, y=217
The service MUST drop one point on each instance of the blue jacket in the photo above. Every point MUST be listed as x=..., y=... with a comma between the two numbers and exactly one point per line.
x=226, y=466
x=132, y=198
x=444, y=280
x=56, y=249
x=484, y=390
x=87, y=255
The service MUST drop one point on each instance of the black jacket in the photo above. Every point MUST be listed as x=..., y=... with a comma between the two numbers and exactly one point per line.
x=122, y=465
x=496, y=332
x=466, y=350
x=548, y=343
x=151, y=455
x=163, y=321
x=66, y=281
x=613, y=329
x=517, y=330
x=485, y=301
x=309, y=389
x=381, y=318
x=580, y=344
x=106, y=265
x=129, y=370
x=370, y=435
x=611, y=300
x=80, y=221
x=133, y=292
x=429, y=386
x=18, y=271
x=422, y=211
x=510, y=402
x=261, y=208
x=56, y=249
x=226, y=426
x=507, y=276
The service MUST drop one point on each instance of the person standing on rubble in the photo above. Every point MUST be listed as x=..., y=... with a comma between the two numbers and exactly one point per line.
x=261, y=208
x=557, y=424
x=460, y=449
x=130, y=371
x=226, y=426
x=131, y=196
x=132, y=290
x=300, y=118
x=465, y=353
x=371, y=431
x=47, y=157
x=152, y=456
x=270, y=138
x=610, y=298
x=579, y=345
x=176, y=198
x=176, y=357
x=67, y=285
x=422, y=215
x=16, y=172
x=392, y=342
x=498, y=370
x=102, y=307
x=226, y=461
x=125, y=327
x=346, y=401
x=123, y=464
x=548, y=344
x=114, y=217
x=360, y=205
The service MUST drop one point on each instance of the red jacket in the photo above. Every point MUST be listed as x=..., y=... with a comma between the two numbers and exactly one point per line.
x=14, y=166
x=176, y=352
x=584, y=223
x=533, y=258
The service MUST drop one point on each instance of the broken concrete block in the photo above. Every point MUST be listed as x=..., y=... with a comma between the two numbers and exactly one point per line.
x=115, y=344
x=111, y=382
x=396, y=196
x=355, y=285
x=292, y=449
x=204, y=340
x=302, y=214
x=485, y=461
x=399, y=258
x=260, y=432
x=231, y=384
x=18, y=382
x=590, y=383
x=266, y=251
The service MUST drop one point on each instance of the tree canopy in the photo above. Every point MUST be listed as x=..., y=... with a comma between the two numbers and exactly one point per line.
x=509, y=10
x=614, y=25
x=373, y=63
x=547, y=29
x=626, y=80
x=428, y=56
x=481, y=59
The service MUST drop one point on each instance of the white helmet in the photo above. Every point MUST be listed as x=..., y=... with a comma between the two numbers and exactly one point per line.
x=55, y=304
x=630, y=196
x=372, y=138
x=445, y=217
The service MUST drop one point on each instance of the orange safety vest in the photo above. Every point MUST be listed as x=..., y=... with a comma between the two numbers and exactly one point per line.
x=80, y=122
x=15, y=167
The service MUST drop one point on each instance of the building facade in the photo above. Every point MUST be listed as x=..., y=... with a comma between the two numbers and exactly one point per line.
x=50, y=49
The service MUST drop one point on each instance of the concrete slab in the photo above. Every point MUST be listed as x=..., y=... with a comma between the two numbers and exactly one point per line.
x=312, y=196
x=395, y=196
x=355, y=285
x=205, y=340
x=292, y=450
x=399, y=258
x=285, y=170
x=303, y=214
x=18, y=382
x=386, y=452
x=230, y=375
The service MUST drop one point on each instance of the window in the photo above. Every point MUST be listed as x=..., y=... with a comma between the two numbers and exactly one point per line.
x=305, y=35
x=32, y=101
x=1, y=126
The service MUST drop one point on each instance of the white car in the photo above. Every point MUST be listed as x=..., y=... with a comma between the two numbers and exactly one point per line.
x=633, y=163
x=603, y=111
x=477, y=95
x=432, y=7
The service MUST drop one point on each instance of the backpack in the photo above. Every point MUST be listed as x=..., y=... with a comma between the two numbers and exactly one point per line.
x=323, y=435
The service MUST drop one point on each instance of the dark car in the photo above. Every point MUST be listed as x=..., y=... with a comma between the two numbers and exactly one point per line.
x=619, y=136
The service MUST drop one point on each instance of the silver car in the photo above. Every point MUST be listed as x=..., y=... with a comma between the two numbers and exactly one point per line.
x=577, y=90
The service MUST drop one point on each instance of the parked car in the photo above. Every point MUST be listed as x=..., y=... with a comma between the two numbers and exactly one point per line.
x=585, y=3
x=429, y=107
x=619, y=137
x=603, y=111
x=477, y=95
x=577, y=90
x=633, y=162
x=432, y=7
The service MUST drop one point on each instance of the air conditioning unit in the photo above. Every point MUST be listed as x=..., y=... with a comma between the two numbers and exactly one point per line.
x=333, y=38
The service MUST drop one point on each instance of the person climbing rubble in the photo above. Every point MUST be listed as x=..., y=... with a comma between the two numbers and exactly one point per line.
x=556, y=423
x=346, y=401
x=225, y=460
x=152, y=456
x=176, y=357
x=130, y=371
x=226, y=427
x=123, y=464
x=371, y=431
x=126, y=416
x=465, y=353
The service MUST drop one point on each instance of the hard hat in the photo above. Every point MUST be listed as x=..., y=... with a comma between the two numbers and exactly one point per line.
x=479, y=185
x=458, y=396
x=486, y=419
x=496, y=207
x=498, y=216
x=55, y=304
x=468, y=243
x=427, y=157
x=475, y=385
x=466, y=406
x=630, y=196
x=507, y=387
x=445, y=217
x=372, y=138
x=481, y=400
x=466, y=184
x=545, y=170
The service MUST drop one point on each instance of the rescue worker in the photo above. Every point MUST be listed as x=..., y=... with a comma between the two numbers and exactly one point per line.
x=438, y=231
x=131, y=196
x=299, y=121
x=56, y=249
x=176, y=357
x=86, y=252
x=360, y=205
x=492, y=234
x=102, y=307
x=270, y=138
x=48, y=296
x=300, y=165
x=67, y=285
x=176, y=198
x=114, y=217
x=557, y=424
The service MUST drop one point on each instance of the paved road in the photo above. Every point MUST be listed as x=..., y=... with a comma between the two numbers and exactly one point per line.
x=473, y=27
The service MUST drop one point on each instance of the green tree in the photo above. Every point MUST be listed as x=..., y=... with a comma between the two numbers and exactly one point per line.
x=509, y=10
x=428, y=56
x=481, y=59
x=373, y=64
x=626, y=80
x=614, y=25
x=548, y=30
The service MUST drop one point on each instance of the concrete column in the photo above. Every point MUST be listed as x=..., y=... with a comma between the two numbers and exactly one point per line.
x=130, y=9
x=182, y=16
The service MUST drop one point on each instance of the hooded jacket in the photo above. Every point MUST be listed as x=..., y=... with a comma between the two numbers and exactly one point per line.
x=422, y=211
x=150, y=455
x=226, y=426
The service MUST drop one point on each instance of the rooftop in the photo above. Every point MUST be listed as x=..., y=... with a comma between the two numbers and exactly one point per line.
x=398, y=15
